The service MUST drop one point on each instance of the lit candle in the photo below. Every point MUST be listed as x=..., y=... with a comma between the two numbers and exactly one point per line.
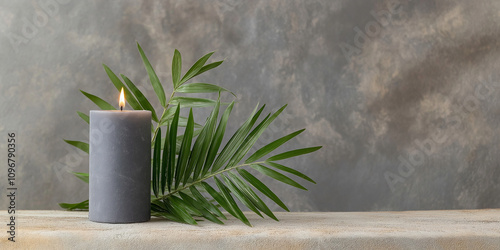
x=120, y=165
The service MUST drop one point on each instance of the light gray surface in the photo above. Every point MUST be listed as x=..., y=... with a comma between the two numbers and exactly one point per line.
x=401, y=87
x=461, y=229
x=120, y=166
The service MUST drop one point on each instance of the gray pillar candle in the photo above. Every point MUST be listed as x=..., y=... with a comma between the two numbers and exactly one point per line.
x=120, y=166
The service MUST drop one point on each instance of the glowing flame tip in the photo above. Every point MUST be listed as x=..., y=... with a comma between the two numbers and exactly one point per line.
x=122, y=100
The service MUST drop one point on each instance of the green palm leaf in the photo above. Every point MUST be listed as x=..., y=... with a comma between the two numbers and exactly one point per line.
x=217, y=138
x=250, y=140
x=293, y=153
x=140, y=97
x=83, y=146
x=156, y=164
x=232, y=203
x=204, y=140
x=178, y=208
x=251, y=195
x=184, y=150
x=165, y=163
x=98, y=101
x=272, y=146
x=219, y=198
x=280, y=177
x=167, y=116
x=236, y=139
x=172, y=147
x=290, y=170
x=183, y=163
x=82, y=176
x=240, y=195
x=155, y=82
x=208, y=205
x=262, y=188
x=119, y=85
x=201, y=88
x=208, y=67
x=176, y=68
x=84, y=117
x=195, y=68
x=192, y=102
x=84, y=205
x=205, y=213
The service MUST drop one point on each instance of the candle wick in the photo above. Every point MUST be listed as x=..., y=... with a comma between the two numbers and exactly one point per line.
x=121, y=108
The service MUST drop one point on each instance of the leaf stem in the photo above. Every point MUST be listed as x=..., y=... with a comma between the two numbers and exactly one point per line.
x=164, y=110
x=203, y=179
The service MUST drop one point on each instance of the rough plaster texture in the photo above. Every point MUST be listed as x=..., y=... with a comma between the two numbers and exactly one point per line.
x=465, y=229
x=430, y=75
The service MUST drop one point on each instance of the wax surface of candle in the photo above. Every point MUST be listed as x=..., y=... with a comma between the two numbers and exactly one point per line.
x=120, y=166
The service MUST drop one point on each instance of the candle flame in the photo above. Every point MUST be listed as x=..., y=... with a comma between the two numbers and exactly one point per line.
x=122, y=100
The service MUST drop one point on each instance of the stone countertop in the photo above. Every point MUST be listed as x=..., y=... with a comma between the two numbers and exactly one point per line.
x=457, y=229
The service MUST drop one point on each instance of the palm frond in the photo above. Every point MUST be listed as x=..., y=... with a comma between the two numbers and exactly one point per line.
x=83, y=146
x=155, y=82
x=82, y=176
x=84, y=205
x=119, y=85
x=143, y=101
x=84, y=117
x=232, y=187
x=184, y=163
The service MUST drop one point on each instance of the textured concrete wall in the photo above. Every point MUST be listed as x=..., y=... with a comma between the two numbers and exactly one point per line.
x=403, y=98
